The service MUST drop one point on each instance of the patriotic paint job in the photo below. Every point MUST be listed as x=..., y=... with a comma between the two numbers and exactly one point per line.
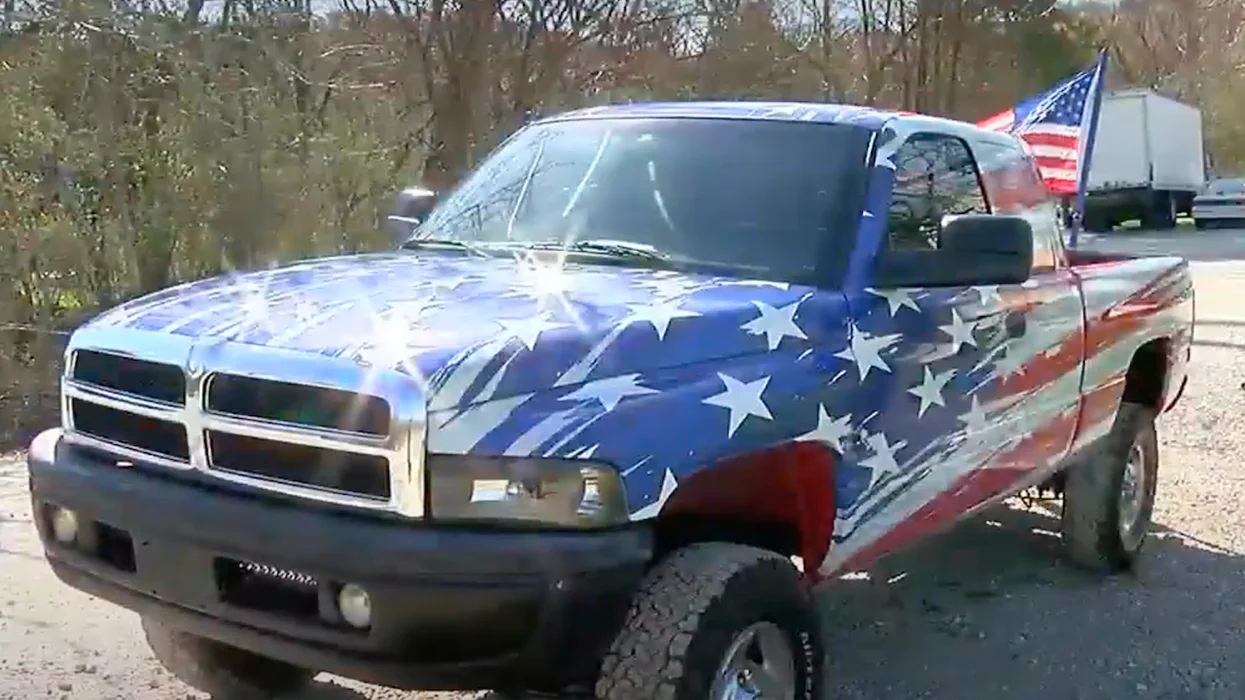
x=933, y=401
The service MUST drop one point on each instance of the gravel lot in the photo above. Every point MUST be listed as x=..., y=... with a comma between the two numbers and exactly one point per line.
x=987, y=611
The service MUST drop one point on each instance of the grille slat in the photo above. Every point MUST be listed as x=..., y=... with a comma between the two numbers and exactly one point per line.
x=299, y=404
x=148, y=434
x=150, y=380
x=335, y=470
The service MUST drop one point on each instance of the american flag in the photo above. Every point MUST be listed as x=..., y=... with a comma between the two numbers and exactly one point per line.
x=1055, y=125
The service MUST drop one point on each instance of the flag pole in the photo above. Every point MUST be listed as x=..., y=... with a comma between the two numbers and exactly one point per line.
x=1082, y=180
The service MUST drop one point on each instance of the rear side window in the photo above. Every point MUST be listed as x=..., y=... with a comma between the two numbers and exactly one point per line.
x=1226, y=187
x=935, y=176
x=1014, y=187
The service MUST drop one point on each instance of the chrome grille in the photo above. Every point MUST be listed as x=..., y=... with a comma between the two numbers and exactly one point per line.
x=303, y=425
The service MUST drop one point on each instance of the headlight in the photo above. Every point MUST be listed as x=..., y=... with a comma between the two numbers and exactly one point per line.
x=555, y=492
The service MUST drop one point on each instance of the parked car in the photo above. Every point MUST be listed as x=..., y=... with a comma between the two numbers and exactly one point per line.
x=627, y=392
x=1221, y=204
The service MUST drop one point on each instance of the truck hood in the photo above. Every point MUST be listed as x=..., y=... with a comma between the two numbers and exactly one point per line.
x=472, y=328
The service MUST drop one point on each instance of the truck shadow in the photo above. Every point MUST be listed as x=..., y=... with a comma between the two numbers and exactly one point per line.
x=319, y=690
x=991, y=610
x=1219, y=344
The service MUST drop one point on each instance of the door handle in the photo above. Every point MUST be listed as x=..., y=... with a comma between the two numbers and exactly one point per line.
x=1015, y=324
x=852, y=443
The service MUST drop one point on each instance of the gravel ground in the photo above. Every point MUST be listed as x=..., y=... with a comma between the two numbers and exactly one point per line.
x=987, y=611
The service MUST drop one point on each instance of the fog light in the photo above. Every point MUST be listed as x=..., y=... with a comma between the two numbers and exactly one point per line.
x=64, y=525
x=355, y=606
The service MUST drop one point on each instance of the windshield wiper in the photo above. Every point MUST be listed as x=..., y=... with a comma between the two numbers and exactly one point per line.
x=621, y=249
x=605, y=246
x=430, y=243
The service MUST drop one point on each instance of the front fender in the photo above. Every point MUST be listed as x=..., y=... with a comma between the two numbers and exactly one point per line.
x=657, y=429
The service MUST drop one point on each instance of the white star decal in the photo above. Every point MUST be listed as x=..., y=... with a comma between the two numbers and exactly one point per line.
x=865, y=350
x=254, y=307
x=975, y=420
x=660, y=315
x=961, y=332
x=929, y=391
x=666, y=287
x=896, y=299
x=668, y=486
x=527, y=330
x=882, y=461
x=408, y=312
x=829, y=431
x=449, y=284
x=762, y=283
x=388, y=353
x=1012, y=361
x=610, y=391
x=989, y=295
x=305, y=310
x=775, y=323
x=742, y=399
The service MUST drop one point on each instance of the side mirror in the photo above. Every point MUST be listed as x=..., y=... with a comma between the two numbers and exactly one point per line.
x=410, y=208
x=966, y=250
x=988, y=249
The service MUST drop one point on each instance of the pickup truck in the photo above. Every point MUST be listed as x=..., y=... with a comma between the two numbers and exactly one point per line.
x=609, y=412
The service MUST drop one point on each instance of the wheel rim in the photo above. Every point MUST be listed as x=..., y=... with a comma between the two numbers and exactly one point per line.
x=758, y=665
x=1132, y=496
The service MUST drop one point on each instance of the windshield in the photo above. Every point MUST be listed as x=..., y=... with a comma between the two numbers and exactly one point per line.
x=755, y=198
x=1227, y=187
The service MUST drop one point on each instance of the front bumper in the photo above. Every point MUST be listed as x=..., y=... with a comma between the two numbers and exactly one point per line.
x=452, y=608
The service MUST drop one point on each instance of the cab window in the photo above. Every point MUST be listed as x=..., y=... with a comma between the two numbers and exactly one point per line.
x=935, y=176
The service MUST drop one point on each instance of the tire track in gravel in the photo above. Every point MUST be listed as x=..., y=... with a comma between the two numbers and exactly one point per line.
x=987, y=611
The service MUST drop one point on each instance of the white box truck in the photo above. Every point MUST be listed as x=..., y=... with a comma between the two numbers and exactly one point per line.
x=1148, y=161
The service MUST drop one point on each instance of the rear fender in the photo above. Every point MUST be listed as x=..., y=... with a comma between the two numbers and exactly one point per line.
x=1133, y=305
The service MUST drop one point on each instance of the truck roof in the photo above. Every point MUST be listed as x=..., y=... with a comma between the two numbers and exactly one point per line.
x=867, y=117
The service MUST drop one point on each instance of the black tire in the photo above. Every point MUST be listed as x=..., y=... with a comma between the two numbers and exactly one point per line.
x=222, y=671
x=1096, y=222
x=1162, y=213
x=689, y=611
x=1092, y=535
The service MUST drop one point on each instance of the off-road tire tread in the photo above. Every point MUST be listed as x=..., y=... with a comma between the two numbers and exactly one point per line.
x=648, y=657
x=1089, y=522
x=221, y=671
